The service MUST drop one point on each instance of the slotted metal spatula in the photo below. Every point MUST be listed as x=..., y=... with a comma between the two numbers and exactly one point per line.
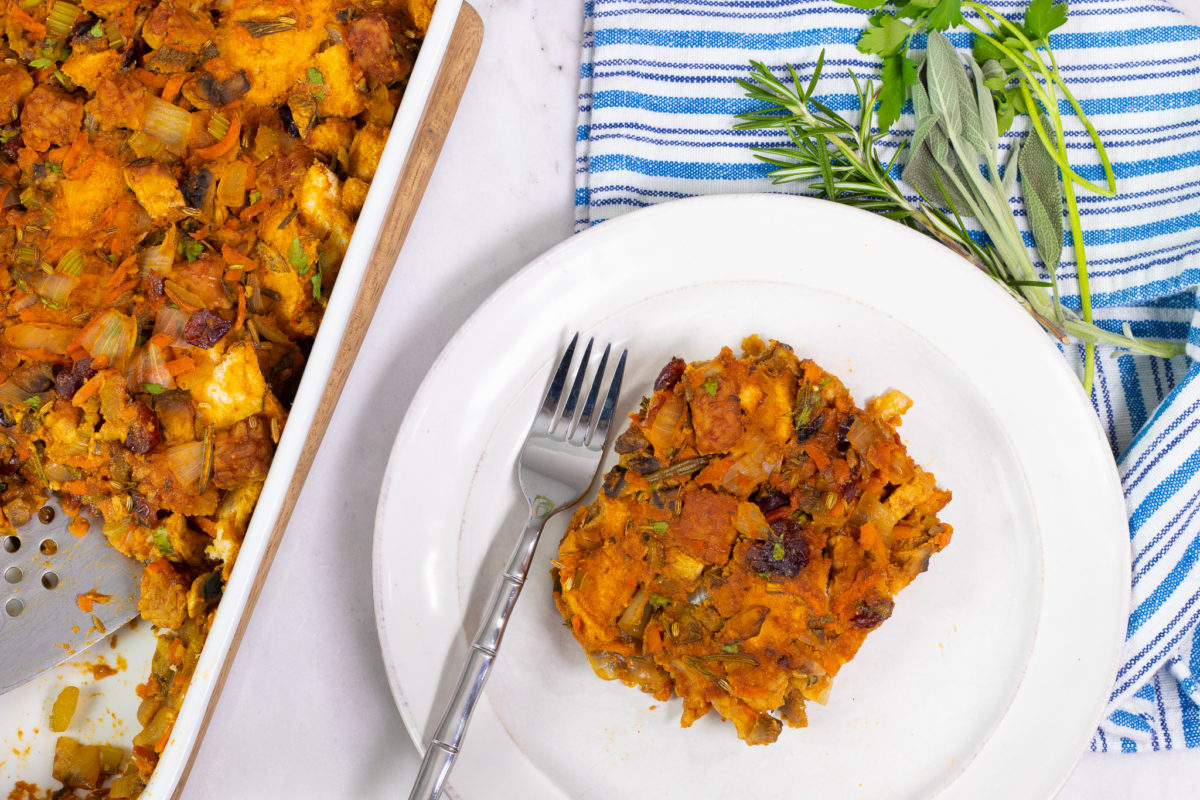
x=43, y=570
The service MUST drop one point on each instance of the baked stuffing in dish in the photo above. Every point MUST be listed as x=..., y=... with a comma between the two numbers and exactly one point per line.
x=757, y=527
x=179, y=181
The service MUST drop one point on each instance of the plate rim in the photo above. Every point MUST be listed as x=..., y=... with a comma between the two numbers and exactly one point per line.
x=676, y=212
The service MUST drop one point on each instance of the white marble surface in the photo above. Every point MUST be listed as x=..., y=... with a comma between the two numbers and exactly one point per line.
x=306, y=712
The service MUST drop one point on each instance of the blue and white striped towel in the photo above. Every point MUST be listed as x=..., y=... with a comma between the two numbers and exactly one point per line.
x=657, y=99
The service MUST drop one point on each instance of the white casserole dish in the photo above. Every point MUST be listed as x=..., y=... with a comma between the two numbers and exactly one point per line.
x=107, y=708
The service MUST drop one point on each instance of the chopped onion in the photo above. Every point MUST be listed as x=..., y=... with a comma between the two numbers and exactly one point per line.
x=112, y=334
x=40, y=336
x=59, y=473
x=231, y=189
x=148, y=369
x=54, y=288
x=187, y=462
x=144, y=146
x=664, y=428
x=12, y=396
x=171, y=321
x=160, y=257
x=168, y=123
x=184, y=295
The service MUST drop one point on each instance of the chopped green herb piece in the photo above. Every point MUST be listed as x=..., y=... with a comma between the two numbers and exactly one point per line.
x=8, y=135
x=255, y=196
x=777, y=552
x=153, y=388
x=710, y=386
x=658, y=601
x=657, y=527
x=730, y=648
x=190, y=249
x=316, y=284
x=97, y=31
x=295, y=256
x=162, y=540
x=39, y=63
x=315, y=76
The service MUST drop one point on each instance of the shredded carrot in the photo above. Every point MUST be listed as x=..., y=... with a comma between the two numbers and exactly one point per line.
x=176, y=650
x=179, y=366
x=227, y=143
x=74, y=153
x=100, y=362
x=233, y=275
x=161, y=744
x=160, y=340
x=233, y=257
x=41, y=354
x=186, y=306
x=89, y=598
x=117, y=291
x=253, y=210
x=76, y=352
x=241, y=308
x=841, y=471
x=901, y=532
x=120, y=271
x=867, y=535
x=173, y=85
x=152, y=80
x=159, y=565
x=817, y=455
x=89, y=389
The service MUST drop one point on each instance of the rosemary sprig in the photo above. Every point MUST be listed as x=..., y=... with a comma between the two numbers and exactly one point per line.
x=838, y=160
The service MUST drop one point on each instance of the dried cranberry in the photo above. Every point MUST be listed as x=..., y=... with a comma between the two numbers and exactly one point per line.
x=843, y=444
x=769, y=498
x=10, y=465
x=785, y=554
x=870, y=614
x=670, y=374
x=204, y=328
x=154, y=284
x=144, y=432
x=9, y=149
x=69, y=379
x=142, y=509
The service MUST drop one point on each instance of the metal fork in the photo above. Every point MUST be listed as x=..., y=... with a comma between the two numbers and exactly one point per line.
x=558, y=463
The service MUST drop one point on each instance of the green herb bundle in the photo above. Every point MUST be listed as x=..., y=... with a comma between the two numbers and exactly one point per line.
x=952, y=158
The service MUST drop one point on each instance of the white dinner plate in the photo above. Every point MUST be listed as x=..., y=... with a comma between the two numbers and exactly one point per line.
x=992, y=672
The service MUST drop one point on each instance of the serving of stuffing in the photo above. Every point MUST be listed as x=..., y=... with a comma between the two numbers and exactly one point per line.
x=757, y=527
x=179, y=182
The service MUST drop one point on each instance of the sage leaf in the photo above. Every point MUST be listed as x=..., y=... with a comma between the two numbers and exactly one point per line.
x=1011, y=169
x=1042, y=193
x=930, y=159
x=951, y=96
x=987, y=114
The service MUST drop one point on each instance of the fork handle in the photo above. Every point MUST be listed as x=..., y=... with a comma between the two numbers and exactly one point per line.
x=447, y=739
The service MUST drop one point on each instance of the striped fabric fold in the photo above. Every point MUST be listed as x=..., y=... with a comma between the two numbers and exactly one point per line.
x=656, y=105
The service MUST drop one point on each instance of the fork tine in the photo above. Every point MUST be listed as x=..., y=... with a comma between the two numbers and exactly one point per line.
x=610, y=404
x=568, y=410
x=545, y=414
x=583, y=428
